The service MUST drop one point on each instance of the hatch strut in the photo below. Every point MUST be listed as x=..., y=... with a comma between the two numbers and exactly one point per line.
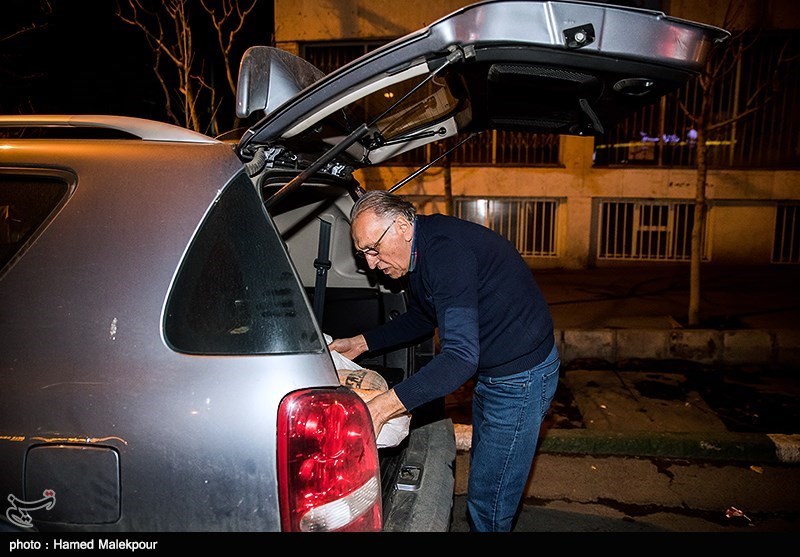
x=354, y=136
x=422, y=169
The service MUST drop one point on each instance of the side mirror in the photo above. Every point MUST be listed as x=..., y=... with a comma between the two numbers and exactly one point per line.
x=268, y=77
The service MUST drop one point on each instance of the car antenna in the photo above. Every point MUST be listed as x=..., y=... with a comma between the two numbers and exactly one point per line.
x=422, y=169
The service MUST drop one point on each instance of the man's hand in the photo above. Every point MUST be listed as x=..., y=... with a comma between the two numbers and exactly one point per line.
x=383, y=408
x=350, y=348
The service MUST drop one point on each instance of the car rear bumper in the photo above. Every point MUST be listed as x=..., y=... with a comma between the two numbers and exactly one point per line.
x=420, y=497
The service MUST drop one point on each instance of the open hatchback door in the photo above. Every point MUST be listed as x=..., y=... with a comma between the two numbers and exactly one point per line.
x=553, y=67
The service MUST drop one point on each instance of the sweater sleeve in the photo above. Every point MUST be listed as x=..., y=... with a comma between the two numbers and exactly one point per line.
x=413, y=325
x=451, y=280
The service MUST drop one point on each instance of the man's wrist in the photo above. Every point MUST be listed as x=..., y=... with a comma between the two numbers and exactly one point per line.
x=391, y=405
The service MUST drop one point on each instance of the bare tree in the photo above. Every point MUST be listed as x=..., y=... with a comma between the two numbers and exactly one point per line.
x=184, y=64
x=228, y=19
x=710, y=122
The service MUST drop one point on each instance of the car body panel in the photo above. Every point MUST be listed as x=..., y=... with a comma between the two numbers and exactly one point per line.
x=143, y=129
x=151, y=405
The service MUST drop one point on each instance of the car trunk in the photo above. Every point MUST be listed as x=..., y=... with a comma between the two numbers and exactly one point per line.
x=348, y=300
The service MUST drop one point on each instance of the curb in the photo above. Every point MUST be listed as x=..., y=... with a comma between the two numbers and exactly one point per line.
x=778, y=347
x=749, y=447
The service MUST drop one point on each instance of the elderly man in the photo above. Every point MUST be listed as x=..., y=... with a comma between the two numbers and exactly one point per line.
x=493, y=323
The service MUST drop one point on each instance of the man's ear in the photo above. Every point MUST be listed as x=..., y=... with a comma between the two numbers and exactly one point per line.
x=406, y=228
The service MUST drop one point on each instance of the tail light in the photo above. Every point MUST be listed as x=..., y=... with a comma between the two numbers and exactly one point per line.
x=328, y=469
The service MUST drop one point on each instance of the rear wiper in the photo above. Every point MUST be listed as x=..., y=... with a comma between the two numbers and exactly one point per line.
x=354, y=136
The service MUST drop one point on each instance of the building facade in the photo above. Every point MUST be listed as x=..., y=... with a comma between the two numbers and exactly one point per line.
x=629, y=196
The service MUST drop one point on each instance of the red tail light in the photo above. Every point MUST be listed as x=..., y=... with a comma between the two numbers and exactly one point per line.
x=328, y=468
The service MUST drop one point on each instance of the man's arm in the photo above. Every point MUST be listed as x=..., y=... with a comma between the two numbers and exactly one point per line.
x=451, y=276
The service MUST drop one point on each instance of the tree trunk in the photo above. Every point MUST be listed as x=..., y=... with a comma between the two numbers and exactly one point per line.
x=698, y=225
x=448, y=187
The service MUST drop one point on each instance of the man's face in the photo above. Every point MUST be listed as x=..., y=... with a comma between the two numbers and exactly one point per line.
x=385, y=242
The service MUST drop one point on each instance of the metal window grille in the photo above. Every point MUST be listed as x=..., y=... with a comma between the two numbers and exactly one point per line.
x=332, y=56
x=494, y=148
x=646, y=231
x=501, y=148
x=530, y=224
x=662, y=135
x=478, y=150
x=526, y=149
x=786, y=242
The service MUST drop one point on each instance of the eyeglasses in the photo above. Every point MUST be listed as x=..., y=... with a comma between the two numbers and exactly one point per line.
x=373, y=251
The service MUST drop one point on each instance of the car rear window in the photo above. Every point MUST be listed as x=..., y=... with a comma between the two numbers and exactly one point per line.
x=26, y=202
x=236, y=291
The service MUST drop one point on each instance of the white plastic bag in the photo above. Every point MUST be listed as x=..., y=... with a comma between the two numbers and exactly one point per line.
x=367, y=384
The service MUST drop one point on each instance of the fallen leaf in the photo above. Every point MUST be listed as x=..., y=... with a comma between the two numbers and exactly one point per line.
x=733, y=512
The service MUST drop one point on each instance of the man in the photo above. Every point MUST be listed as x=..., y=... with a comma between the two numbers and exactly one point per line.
x=492, y=321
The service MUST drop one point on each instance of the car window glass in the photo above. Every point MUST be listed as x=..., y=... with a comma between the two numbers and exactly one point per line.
x=236, y=291
x=430, y=103
x=433, y=101
x=25, y=204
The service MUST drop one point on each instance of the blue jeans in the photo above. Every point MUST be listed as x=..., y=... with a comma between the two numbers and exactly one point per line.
x=507, y=414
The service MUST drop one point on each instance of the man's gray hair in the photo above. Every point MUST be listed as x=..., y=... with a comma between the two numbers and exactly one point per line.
x=383, y=203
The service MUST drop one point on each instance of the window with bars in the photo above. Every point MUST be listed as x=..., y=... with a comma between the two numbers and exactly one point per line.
x=493, y=148
x=332, y=56
x=530, y=224
x=786, y=243
x=662, y=134
x=646, y=231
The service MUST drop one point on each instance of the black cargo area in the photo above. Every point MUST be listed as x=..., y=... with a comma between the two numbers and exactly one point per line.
x=351, y=311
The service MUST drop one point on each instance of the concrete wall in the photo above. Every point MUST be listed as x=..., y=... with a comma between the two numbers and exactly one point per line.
x=741, y=234
x=324, y=20
x=742, y=203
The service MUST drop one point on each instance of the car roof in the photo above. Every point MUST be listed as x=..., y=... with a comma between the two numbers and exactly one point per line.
x=147, y=130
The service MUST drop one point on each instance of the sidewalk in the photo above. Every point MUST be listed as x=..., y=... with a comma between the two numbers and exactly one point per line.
x=750, y=315
x=636, y=381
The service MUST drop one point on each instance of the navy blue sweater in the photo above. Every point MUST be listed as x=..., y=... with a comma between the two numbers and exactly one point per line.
x=473, y=285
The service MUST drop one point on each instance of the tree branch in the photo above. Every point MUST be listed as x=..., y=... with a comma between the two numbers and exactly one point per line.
x=226, y=43
x=168, y=27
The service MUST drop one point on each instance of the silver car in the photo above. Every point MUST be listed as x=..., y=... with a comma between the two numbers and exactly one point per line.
x=164, y=295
